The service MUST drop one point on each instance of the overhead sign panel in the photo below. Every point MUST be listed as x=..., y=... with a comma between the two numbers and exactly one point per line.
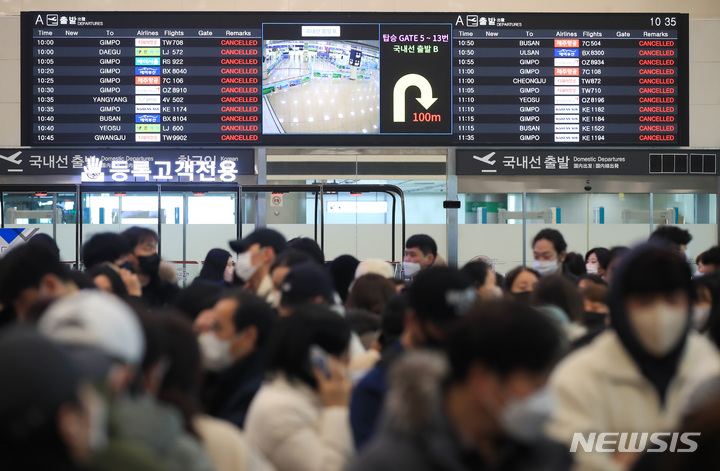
x=357, y=79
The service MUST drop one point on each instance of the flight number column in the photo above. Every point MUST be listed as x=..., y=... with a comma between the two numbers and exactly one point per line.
x=211, y=86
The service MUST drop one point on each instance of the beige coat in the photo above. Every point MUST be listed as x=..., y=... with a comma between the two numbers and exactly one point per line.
x=600, y=389
x=290, y=426
x=228, y=448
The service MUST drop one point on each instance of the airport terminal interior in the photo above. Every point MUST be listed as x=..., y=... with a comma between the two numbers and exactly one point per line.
x=327, y=87
x=539, y=307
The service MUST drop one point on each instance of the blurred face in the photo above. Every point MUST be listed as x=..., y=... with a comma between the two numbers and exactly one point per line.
x=525, y=281
x=83, y=426
x=415, y=255
x=544, y=251
x=659, y=320
x=489, y=290
x=103, y=283
x=145, y=248
x=704, y=269
x=278, y=276
x=241, y=343
x=494, y=394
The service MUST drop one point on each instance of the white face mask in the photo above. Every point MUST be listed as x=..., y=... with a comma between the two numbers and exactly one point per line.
x=700, y=316
x=659, y=327
x=215, y=352
x=244, y=267
x=591, y=268
x=524, y=419
x=547, y=267
x=228, y=274
x=98, y=435
x=410, y=269
x=273, y=299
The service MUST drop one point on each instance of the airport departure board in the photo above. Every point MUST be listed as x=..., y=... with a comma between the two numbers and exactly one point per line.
x=354, y=79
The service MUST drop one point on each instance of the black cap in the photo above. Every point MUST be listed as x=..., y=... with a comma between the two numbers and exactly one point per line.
x=263, y=236
x=304, y=282
x=441, y=295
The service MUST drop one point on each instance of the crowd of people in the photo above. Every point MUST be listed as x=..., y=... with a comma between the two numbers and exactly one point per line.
x=275, y=358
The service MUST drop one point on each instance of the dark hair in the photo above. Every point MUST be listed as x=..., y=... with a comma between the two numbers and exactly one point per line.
x=424, y=242
x=504, y=337
x=25, y=266
x=118, y=286
x=512, y=274
x=288, y=349
x=214, y=265
x=251, y=311
x=200, y=295
x=672, y=234
x=393, y=320
x=342, y=270
x=370, y=292
x=104, y=247
x=557, y=291
x=361, y=321
x=46, y=241
x=602, y=254
x=440, y=295
x=711, y=257
x=575, y=263
x=309, y=247
x=289, y=258
x=137, y=235
x=181, y=383
x=38, y=378
x=554, y=236
x=657, y=271
x=617, y=252
x=477, y=270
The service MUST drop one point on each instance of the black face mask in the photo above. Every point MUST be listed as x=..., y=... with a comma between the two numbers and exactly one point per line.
x=594, y=320
x=128, y=266
x=522, y=298
x=149, y=264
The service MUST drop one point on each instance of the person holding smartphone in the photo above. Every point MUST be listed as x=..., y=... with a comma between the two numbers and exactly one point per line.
x=299, y=418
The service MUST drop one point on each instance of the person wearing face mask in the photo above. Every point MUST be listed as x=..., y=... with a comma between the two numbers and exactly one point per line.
x=437, y=298
x=597, y=260
x=484, y=408
x=257, y=253
x=32, y=274
x=218, y=268
x=420, y=253
x=233, y=354
x=549, y=252
x=706, y=310
x=520, y=282
x=639, y=374
x=145, y=261
x=485, y=280
x=104, y=337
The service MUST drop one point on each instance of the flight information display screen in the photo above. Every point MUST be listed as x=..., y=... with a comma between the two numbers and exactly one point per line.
x=354, y=79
